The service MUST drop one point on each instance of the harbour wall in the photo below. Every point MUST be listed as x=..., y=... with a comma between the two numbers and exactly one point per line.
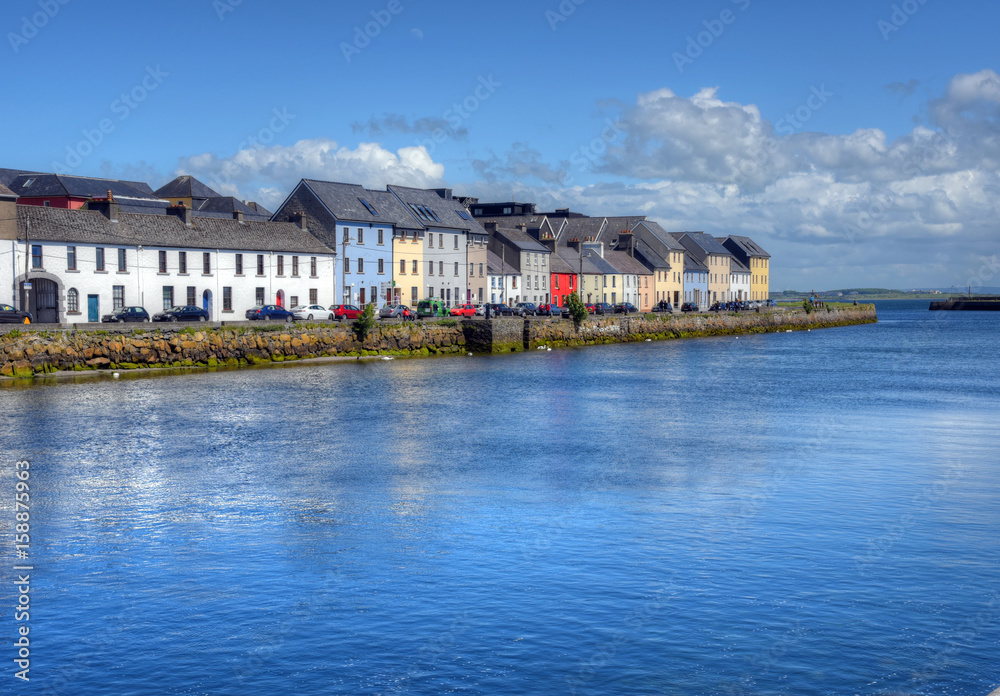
x=27, y=352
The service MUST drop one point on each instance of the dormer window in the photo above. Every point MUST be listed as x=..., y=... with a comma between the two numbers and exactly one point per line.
x=28, y=183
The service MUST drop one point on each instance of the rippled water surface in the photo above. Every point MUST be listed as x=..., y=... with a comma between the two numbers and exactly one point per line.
x=807, y=513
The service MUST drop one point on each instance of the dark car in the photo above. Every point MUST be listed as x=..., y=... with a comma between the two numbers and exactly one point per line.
x=500, y=310
x=626, y=308
x=603, y=308
x=689, y=307
x=396, y=311
x=663, y=306
x=262, y=312
x=343, y=312
x=182, y=313
x=526, y=309
x=550, y=310
x=9, y=315
x=126, y=314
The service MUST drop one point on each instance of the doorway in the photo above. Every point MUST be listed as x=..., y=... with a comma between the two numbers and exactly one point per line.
x=206, y=303
x=93, y=308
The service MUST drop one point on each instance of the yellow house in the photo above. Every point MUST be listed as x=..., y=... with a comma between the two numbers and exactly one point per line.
x=708, y=251
x=664, y=255
x=751, y=255
x=408, y=266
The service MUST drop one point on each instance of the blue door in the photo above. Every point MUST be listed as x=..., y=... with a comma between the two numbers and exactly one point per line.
x=93, y=308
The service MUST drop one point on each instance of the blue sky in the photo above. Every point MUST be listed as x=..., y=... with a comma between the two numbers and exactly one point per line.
x=857, y=141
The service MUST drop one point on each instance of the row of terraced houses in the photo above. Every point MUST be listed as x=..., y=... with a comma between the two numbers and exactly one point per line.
x=72, y=248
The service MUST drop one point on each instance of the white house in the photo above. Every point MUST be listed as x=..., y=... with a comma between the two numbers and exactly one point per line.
x=739, y=280
x=81, y=264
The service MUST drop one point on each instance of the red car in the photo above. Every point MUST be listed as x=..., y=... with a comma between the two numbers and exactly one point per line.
x=342, y=312
x=590, y=307
x=464, y=310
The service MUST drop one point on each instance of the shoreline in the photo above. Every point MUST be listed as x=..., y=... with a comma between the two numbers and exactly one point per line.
x=28, y=356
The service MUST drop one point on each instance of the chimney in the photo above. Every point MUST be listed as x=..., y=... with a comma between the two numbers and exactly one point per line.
x=523, y=226
x=549, y=244
x=574, y=244
x=490, y=226
x=445, y=193
x=106, y=206
x=626, y=241
x=302, y=220
x=181, y=211
x=238, y=215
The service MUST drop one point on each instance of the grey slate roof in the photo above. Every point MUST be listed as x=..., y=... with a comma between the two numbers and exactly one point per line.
x=230, y=205
x=7, y=176
x=186, y=187
x=92, y=227
x=557, y=264
x=580, y=228
x=613, y=226
x=693, y=265
x=494, y=263
x=344, y=201
x=447, y=210
x=662, y=235
x=590, y=259
x=706, y=242
x=42, y=185
x=6, y=192
x=747, y=246
x=624, y=263
x=522, y=240
x=259, y=209
x=736, y=267
x=646, y=255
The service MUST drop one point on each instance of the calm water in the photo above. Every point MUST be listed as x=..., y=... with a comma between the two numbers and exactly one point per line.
x=808, y=513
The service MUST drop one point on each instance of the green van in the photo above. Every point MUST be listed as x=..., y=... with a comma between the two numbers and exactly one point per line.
x=431, y=308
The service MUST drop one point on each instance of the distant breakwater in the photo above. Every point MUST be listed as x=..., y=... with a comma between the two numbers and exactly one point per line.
x=28, y=352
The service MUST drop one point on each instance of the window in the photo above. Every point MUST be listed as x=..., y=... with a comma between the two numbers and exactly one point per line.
x=168, y=296
x=100, y=259
x=313, y=296
x=260, y=266
x=370, y=210
x=472, y=269
x=347, y=235
x=477, y=211
x=440, y=240
x=381, y=265
x=239, y=264
x=259, y=296
x=312, y=267
x=163, y=262
x=206, y=263
x=182, y=262
x=118, y=297
x=295, y=266
x=480, y=270
x=121, y=261
x=361, y=236
x=506, y=211
x=456, y=241
x=73, y=300
x=191, y=295
x=413, y=296
x=381, y=236
x=71, y=258
x=281, y=265
x=293, y=301
x=440, y=267
x=361, y=265
x=456, y=269
x=227, y=299
x=347, y=265
x=36, y=256
x=402, y=266
x=415, y=268
x=514, y=285
x=430, y=268
x=555, y=285
x=430, y=240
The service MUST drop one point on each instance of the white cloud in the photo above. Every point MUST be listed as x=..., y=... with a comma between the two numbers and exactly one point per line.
x=262, y=174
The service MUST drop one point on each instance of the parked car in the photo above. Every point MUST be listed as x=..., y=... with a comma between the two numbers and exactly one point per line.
x=480, y=310
x=603, y=308
x=689, y=307
x=182, y=313
x=527, y=309
x=310, y=312
x=9, y=315
x=343, y=312
x=431, y=308
x=262, y=312
x=501, y=310
x=549, y=310
x=591, y=307
x=126, y=314
x=626, y=308
x=396, y=311
x=463, y=310
x=663, y=306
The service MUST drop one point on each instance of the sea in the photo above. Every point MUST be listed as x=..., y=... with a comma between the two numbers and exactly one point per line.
x=808, y=513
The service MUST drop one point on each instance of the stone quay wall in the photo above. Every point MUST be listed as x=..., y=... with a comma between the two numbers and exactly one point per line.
x=26, y=352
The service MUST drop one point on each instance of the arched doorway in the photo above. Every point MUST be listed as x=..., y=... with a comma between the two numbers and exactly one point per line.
x=43, y=296
x=206, y=304
x=280, y=298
